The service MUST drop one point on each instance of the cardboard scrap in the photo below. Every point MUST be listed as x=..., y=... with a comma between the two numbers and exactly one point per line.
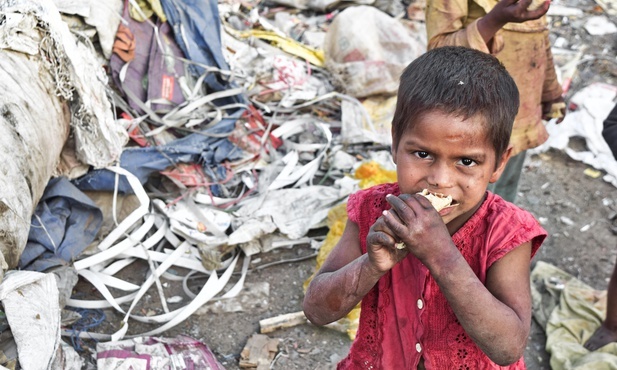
x=259, y=352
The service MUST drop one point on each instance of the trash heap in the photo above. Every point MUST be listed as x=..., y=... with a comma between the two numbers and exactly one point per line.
x=185, y=137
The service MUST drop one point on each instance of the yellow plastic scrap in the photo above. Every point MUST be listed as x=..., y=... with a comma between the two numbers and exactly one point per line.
x=312, y=55
x=148, y=7
x=594, y=174
x=370, y=173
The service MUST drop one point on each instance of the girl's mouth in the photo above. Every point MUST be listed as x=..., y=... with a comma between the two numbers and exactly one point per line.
x=441, y=202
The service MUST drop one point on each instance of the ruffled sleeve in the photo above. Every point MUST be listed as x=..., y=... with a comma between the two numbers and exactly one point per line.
x=512, y=227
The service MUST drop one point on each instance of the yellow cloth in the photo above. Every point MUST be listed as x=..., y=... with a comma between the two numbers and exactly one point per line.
x=570, y=311
x=523, y=48
x=369, y=173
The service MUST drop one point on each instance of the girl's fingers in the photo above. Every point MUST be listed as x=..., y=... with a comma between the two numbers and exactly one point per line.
x=401, y=208
x=425, y=203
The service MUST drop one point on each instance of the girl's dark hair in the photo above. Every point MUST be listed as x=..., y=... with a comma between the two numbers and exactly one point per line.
x=460, y=81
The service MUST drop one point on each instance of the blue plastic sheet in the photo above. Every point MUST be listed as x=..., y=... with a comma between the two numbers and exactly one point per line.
x=65, y=222
x=142, y=162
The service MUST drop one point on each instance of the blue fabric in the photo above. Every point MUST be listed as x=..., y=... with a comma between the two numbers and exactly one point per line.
x=199, y=22
x=72, y=221
x=142, y=162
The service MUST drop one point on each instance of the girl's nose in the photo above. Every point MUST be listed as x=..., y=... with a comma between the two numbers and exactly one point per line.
x=439, y=177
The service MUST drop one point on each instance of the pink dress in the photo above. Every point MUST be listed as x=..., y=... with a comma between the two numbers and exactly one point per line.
x=405, y=316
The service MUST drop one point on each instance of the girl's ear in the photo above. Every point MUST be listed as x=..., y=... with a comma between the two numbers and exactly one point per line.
x=501, y=165
x=393, y=153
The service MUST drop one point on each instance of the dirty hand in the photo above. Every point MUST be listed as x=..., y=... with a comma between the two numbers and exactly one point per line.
x=415, y=222
x=507, y=11
x=554, y=109
x=382, y=246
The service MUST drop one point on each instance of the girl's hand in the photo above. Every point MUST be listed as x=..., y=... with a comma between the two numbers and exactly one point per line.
x=416, y=223
x=382, y=248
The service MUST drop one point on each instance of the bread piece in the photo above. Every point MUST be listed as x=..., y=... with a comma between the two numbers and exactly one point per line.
x=438, y=200
x=535, y=4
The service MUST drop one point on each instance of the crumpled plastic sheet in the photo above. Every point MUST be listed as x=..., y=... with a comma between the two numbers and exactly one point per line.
x=79, y=78
x=594, y=104
x=293, y=211
x=30, y=301
x=103, y=15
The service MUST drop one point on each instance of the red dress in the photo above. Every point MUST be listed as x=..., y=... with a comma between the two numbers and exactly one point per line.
x=405, y=316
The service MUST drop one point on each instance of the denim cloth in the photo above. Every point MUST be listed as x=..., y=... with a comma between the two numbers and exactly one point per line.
x=70, y=221
x=196, y=26
x=210, y=151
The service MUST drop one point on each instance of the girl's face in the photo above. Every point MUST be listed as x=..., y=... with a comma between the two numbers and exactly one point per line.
x=446, y=154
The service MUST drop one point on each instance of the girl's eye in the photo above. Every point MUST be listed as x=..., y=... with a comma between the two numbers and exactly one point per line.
x=422, y=154
x=467, y=162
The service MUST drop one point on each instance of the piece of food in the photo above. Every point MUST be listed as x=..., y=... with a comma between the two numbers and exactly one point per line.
x=535, y=4
x=556, y=110
x=438, y=200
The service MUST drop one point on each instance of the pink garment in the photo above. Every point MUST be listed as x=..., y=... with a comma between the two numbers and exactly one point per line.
x=405, y=316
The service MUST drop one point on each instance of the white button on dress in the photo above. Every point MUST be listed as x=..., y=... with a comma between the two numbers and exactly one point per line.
x=418, y=347
x=420, y=304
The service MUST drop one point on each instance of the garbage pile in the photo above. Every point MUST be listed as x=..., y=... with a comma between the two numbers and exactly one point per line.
x=187, y=136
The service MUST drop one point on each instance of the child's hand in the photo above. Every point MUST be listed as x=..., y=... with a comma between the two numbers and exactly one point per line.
x=507, y=11
x=416, y=223
x=382, y=248
x=554, y=109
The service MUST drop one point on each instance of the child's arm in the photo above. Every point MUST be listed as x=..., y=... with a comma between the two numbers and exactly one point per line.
x=445, y=22
x=496, y=316
x=347, y=275
x=508, y=11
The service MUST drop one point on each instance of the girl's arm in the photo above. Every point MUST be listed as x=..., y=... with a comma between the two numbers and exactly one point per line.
x=348, y=275
x=496, y=316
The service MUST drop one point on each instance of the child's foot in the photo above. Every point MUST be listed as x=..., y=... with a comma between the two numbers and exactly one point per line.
x=601, y=337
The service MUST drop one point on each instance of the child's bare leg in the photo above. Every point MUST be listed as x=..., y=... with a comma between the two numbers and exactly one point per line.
x=607, y=332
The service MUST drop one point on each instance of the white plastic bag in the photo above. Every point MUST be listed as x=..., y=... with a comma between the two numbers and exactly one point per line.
x=366, y=51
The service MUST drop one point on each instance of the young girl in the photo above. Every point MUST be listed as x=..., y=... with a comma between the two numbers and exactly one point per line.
x=448, y=289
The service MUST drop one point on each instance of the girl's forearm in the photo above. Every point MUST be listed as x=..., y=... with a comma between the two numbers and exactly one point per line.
x=331, y=295
x=496, y=328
